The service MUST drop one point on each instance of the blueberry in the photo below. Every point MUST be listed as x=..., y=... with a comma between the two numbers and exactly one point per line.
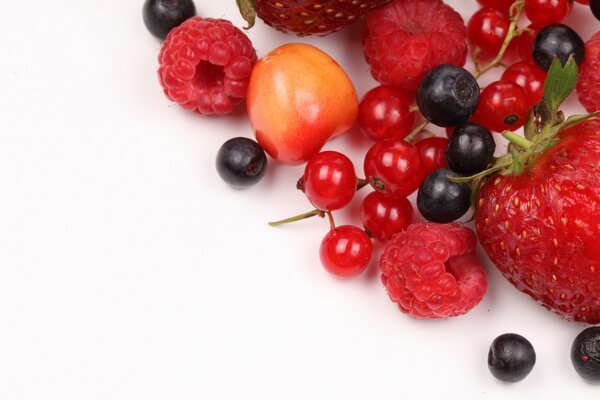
x=585, y=354
x=511, y=357
x=441, y=200
x=241, y=162
x=160, y=16
x=557, y=41
x=470, y=149
x=595, y=6
x=448, y=95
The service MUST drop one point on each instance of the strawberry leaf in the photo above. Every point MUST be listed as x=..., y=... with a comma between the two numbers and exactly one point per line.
x=577, y=119
x=560, y=82
x=247, y=10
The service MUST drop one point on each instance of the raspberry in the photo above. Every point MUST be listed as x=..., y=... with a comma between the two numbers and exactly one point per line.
x=205, y=65
x=406, y=38
x=432, y=270
x=588, y=86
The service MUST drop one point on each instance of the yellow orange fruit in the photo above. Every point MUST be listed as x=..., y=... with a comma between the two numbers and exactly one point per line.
x=298, y=98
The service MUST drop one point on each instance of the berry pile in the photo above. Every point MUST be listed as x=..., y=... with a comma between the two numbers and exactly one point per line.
x=536, y=208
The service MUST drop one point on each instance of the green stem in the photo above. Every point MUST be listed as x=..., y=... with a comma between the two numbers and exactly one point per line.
x=501, y=163
x=513, y=32
x=299, y=217
x=518, y=140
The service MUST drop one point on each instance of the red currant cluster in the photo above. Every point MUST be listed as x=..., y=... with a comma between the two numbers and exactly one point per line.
x=394, y=167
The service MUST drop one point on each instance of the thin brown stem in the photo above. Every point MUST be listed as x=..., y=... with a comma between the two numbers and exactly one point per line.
x=299, y=217
x=513, y=32
x=331, y=221
x=415, y=131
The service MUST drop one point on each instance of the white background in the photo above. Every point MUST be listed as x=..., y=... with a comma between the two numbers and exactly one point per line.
x=129, y=270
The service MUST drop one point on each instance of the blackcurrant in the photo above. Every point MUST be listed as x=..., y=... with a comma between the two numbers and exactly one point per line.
x=441, y=200
x=595, y=6
x=557, y=41
x=585, y=354
x=241, y=162
x=511, y=357
x=448, y=95
x=160, y=16
x=470, y=149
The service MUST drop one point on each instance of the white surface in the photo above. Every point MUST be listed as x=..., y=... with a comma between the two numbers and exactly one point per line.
x=128, y=270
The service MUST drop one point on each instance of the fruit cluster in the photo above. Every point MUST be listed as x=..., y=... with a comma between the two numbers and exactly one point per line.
x=536, y=208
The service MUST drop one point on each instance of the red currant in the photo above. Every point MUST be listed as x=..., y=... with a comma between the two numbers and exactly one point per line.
x=394, y=167
x=502, y=106
x=502, y=5
x=547, y=12
x=346, y=251
x=586, y=2
x=385, y=113
x=530, y=77
x=432, y=152
x=329, y=180
x=487, y=30
x=385, y=216
x=524, y=42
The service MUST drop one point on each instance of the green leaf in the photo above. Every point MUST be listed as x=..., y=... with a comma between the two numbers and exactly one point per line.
x=560, y=82
x=247, y=10
x=577, y=119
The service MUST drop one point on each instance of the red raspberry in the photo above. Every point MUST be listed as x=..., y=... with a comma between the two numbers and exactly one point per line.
x=588, y=85
x=432, y=270
x=205, y=65
x=406, y=38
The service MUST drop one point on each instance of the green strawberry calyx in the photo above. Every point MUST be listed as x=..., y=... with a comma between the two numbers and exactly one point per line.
x=248, y=12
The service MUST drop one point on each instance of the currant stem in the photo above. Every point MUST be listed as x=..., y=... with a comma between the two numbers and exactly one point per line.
x=518, y=140
x=415, y=131
x=299, y=217
x=360, y=183
x=331, y=221
x=515, y=12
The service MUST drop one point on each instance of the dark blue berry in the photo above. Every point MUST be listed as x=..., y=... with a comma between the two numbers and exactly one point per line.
x=241, y=162
x=585, y=354
x=557, y=41
x=160, y=16
x=448, y=95
x=511, y=357
x=441, y=200
x=595, y=6
x=470, y=149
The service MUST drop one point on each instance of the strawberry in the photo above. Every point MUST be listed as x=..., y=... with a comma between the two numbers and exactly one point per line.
x=307, y=17
x=537, y=209
x=541, y=227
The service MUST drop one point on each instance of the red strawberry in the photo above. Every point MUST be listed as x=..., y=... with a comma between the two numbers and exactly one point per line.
x=307, y=17
x=542, y=227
